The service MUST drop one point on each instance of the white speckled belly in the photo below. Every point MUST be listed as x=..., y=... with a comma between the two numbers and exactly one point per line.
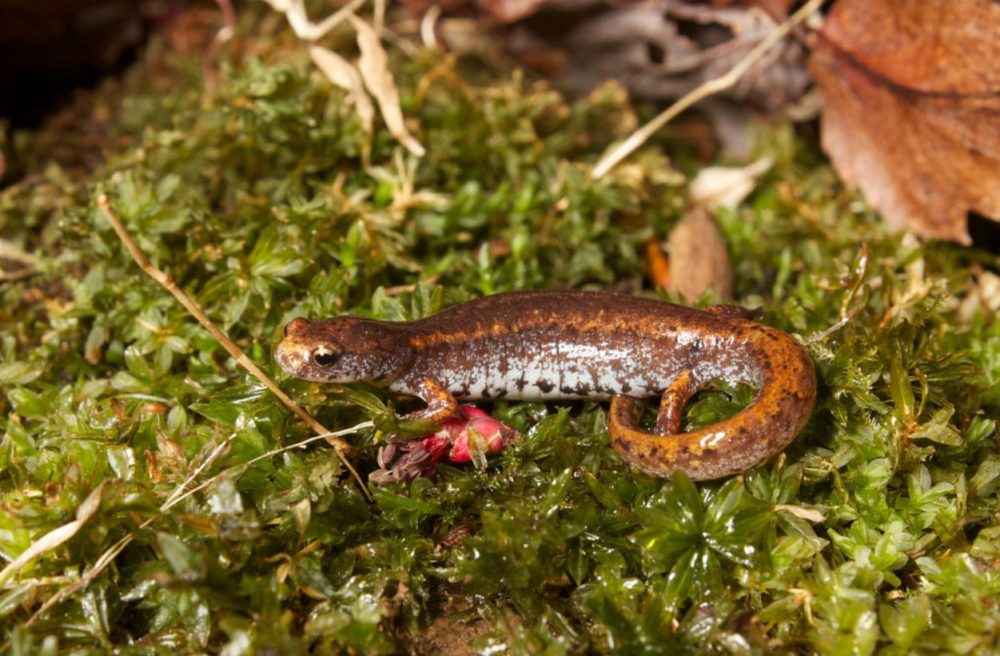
x=548, y=365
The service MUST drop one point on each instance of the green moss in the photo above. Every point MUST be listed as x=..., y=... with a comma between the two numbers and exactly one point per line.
x=254, y=195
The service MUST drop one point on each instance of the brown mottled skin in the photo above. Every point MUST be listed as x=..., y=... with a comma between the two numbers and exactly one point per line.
x=570, y=344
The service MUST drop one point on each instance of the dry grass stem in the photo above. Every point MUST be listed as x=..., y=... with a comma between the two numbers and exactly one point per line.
x=295, y=12
x=378, y=17
x=56, y=536
x=428, y=26
x=372, y=66
x=341, y=448
x=25, y=262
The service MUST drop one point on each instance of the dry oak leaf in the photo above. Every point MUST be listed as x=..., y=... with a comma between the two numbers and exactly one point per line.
x=911, y=93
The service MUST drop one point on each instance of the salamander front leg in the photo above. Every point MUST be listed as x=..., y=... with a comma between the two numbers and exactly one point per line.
x=413, y=458
x=668, y=419
x=440, y=403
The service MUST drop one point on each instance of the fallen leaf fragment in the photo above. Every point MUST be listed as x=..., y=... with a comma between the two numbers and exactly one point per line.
x=911, y=112
x=374, y=67
x=727, y=186
x=807, y=514
x=698, y=261
x=341, y=73
x=657, y=264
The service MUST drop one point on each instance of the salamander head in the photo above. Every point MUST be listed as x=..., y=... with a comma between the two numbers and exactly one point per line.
x=344, y=350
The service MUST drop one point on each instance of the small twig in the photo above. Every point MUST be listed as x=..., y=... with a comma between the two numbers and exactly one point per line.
x=378, y=17
x=264, y=456
x=708, y=88
x=56, y=536
x=305, y=29
x=428, y=24
x=178, y=492
x=225, y=33
x=340, y=447
x=12, y=276
x=337, y=18
x=176, y=497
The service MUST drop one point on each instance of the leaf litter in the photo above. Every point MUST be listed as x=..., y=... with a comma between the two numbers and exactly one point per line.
x=909, y=90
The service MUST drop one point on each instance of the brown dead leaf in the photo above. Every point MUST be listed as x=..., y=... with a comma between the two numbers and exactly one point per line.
x=657, y=264
x=911, y=112
x=698, y=261
x=153, y=469
x=170, y=452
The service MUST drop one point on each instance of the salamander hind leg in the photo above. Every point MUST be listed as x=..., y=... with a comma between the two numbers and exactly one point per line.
x=668, y=419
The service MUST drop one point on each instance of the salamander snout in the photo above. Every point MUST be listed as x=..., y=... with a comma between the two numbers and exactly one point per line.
x=342, y=350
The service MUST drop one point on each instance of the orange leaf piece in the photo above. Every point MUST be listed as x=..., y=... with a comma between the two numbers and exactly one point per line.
x=911, y=115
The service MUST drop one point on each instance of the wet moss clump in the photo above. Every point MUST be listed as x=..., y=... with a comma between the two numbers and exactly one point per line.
x=259, y=192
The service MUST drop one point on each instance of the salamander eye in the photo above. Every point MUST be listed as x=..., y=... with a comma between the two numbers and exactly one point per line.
x=324, y=357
